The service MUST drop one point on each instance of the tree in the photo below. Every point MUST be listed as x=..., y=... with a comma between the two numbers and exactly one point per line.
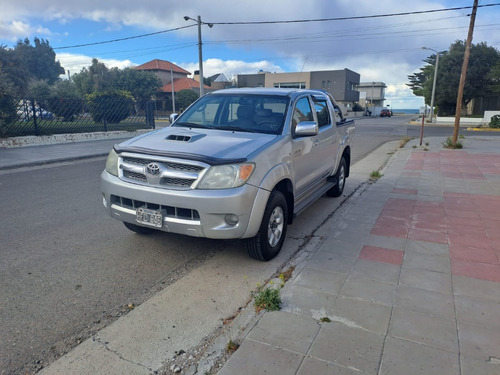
x=483, y=60
x=141, y=84
x=14, y=71
x=7, y=101
x=97, y=77
x=185, y=97
x=110, y=106
x=39, y=60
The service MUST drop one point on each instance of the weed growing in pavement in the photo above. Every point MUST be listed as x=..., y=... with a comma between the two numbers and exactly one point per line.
x=232, y=346
x=449, y=144
x=404, y=141
x=375, y=175
x=267, y=299
x=285, y=275
x=325, y=319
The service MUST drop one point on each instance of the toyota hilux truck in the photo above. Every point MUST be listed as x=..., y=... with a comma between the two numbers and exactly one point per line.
x=236, y=164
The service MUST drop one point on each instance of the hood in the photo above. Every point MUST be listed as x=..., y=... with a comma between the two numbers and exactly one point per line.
x=208, y=145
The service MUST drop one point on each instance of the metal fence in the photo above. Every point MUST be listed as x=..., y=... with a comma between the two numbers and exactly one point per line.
x=62, y=116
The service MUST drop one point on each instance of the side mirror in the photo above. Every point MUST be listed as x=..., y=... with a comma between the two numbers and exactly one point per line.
x=306, y=129
x=173, y=117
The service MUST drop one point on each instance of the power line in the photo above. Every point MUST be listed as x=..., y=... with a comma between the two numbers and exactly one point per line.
x=122, y=39
x=350, y=18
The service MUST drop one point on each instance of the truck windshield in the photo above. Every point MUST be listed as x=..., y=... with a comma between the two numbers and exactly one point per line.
x=237, y=112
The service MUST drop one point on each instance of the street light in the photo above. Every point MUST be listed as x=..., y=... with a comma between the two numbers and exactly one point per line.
x=200, y=54
x=434, y=80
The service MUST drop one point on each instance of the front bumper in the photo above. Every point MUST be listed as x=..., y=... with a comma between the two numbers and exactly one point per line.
x=196, y=213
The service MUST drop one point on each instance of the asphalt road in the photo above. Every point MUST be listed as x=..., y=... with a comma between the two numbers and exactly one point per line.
x=68, y=270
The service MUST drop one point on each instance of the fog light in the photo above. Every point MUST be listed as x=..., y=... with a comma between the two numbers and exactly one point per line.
x=232, y=219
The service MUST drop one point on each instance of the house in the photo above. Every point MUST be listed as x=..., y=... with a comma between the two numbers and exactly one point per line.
x=173, y=79
x=340, y=83
x=372, y=95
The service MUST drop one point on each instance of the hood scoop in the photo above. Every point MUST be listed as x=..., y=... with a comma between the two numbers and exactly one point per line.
x=184, y=137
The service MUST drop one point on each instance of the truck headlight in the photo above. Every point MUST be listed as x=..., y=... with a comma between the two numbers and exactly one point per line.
x=112, y=163
x=226, y=176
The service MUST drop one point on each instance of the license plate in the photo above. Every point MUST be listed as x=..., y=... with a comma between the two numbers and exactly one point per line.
x=149, y=217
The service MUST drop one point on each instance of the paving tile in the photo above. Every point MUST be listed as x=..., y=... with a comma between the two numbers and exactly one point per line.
x=370, y=290
x=425, y=247
x=424, y=279
x=338, y=246
x=254, y=358
x=424, y=328
x=426, y=262
x=305, y=301
x=350, y=347
x=467, y=286
x=473, y=366
x=328, y=261
x=379, y=254
x=425, y=301
x=324, y=281
x=368, y=315
x=376, y=271
x=386, y=242
x=437, y=236
x=479, y=311
x=316, y=366
x=483, y=271
x=480, y=342
x=399, y=231
x=402, y=357
x=471, y=254
x=285, y=330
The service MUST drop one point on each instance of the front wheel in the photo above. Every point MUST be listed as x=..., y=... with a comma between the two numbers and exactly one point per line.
x=269, y=240
x=340, y=176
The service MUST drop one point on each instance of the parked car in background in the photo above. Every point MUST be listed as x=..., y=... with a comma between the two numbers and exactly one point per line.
x=385, y=112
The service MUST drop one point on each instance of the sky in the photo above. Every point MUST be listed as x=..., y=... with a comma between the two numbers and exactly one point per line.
x=381, y=40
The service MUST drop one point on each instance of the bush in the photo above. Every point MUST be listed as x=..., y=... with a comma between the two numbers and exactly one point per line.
x=495, y=122
x=110, y=106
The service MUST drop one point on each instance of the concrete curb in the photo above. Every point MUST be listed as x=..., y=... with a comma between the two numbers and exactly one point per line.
x=33, y=140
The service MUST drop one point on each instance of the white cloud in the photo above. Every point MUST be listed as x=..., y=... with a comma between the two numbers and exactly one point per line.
x=75, y=63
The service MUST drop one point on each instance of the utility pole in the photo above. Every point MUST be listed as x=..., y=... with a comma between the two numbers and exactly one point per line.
x=200, y=53
x=460, y=95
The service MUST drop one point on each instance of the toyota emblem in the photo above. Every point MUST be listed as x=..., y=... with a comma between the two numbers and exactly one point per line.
x=153, y=169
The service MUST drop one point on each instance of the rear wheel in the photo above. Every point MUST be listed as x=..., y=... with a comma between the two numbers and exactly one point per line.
x=138, y=229
x=269, y=240
x=340, y=176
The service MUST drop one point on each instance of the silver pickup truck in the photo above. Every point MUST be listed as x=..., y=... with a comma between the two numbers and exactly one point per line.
x=237, y=164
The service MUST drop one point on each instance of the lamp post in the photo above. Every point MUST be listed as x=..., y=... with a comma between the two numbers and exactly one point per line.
x=200, y=54
x=434, y=80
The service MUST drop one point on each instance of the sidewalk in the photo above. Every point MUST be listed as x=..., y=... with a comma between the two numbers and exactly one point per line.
x=407, y=281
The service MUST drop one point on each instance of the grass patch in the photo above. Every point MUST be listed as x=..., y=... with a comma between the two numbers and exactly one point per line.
x=449, y=144
x=267, y=299
x=375, y=175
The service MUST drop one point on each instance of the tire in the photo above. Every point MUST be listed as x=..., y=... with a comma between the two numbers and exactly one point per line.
x=138, y=229
x=272, y=232
x=340, y=176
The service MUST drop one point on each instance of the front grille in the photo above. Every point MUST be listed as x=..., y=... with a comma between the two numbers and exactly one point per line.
x=135, y=176
x=169, y=173
x=167, y=211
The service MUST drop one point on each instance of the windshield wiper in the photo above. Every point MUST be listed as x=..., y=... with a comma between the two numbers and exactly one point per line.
x=235, y=128
x=191, y=125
